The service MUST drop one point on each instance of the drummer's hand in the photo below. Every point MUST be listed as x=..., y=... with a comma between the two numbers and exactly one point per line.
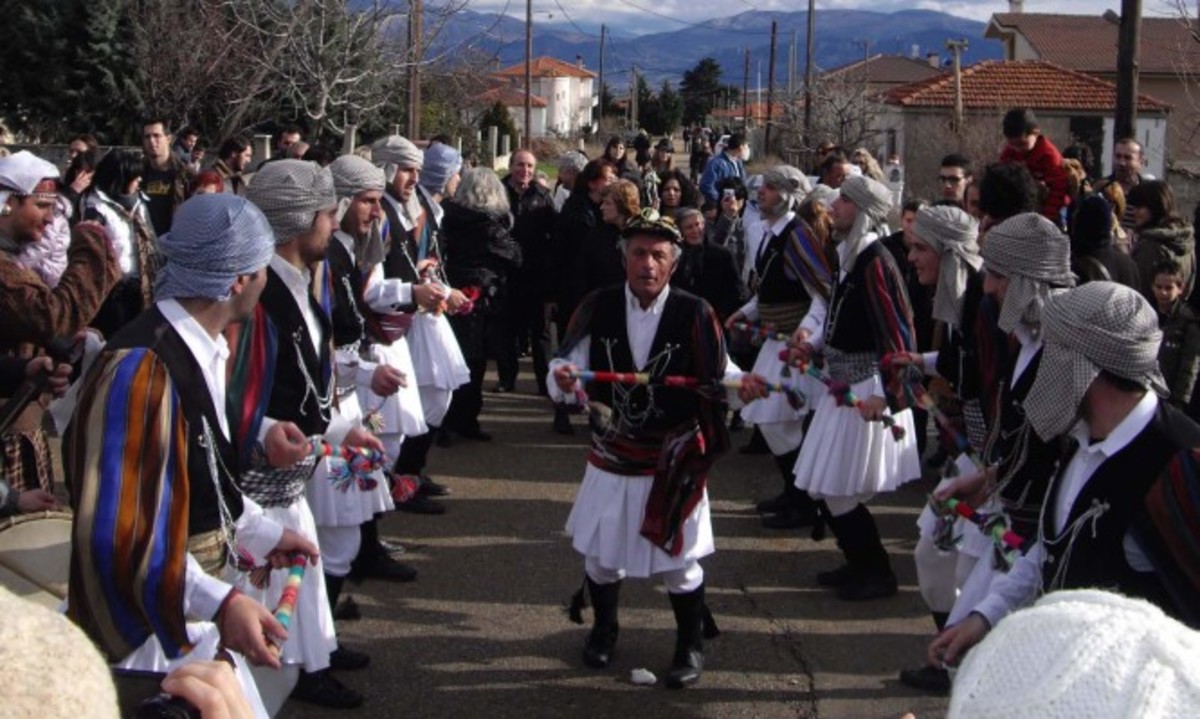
x=872, y=408
x=245, y=626
x=753, y=387
x=291, y=543
x=563, y=378
x=285, y=445
x=387, y=381
x=35, y=500
x=210, y=687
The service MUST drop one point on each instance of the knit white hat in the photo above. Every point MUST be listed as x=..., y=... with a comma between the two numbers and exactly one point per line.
x=21, y=173
x=1083, y=653
x=51, y=668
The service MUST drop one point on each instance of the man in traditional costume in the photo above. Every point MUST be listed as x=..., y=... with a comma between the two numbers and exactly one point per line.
x=849, y=454
x=792, y=267
x=283, y=373
x=1120, y=512
x=376, y=380
x=154, y=476
x=643, y=507
x=413, y=257
x=33, y=314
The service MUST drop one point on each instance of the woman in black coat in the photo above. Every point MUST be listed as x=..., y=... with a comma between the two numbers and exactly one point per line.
x=480, y=255
x=705, y=268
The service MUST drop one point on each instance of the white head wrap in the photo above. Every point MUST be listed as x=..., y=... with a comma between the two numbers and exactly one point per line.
x=1097, y=326
x=213, y=239
x=289, y=193
x=874, y=201
x=352, y=175
x=441, y=163
x=824, y=194
x=21, y=172
x=952, y=233
x=1081, y=653
x=789, y=182
x=393, y=152
x=1035, y=256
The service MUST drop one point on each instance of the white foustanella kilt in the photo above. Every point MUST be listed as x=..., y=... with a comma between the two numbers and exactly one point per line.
x=311, y=636
x=348, y=505
x=845, y=456
x=435, y=353
x=775, y=406
x=606, y=520
x=401, y=413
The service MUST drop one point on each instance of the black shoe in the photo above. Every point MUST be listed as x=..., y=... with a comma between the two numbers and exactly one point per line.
x=347, y=611
x=774, y=504
x=835, y=577
x=686, y=667
x=598, y=649
x=790, y=518
x=927, y=679
x=421, y=504
x=445, y=438
x=430, y=488
x=323, y=689
x=476, y=433
x=348, y=660
x=562, y=420
x=863, y=587
x=503, y=388
x=385, y=568
x=688, y=662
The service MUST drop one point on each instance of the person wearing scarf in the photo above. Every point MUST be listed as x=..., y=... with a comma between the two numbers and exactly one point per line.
x=643, y=508
x=1118, y=513
x=413, y=258
x=160, y=523
x=793, y=265
x=283, y=397
x=849, y=455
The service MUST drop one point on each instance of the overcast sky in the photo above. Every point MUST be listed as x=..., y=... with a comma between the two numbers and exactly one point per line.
x=589, y=13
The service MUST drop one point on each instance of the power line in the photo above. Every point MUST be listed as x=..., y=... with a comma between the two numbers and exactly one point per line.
x=568, y=17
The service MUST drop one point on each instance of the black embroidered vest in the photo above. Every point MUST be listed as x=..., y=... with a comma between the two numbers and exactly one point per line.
x=152, y=331
x=292, y=400
x=349, y=323
x=848, y=325
x=774, y=286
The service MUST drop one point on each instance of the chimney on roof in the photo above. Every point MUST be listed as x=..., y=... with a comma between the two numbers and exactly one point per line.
x=933, y=59
x=1016, y=7
x=579, y=61
x=916, y=49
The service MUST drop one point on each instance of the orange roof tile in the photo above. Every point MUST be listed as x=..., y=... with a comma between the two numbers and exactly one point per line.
x=547, y=67
x=1089, y=42
x=1032, y=83
x=509, y=96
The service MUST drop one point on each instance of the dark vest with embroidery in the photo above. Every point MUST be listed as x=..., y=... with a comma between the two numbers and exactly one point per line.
x=152, y=331
x=1096, y=555
x=349, y=323
x=291, y=398
x=403, y=250
x=642, y=416
x=774, y=286
x=848, y=324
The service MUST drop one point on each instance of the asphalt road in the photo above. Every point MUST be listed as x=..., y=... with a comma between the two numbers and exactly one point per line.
x=483, y=632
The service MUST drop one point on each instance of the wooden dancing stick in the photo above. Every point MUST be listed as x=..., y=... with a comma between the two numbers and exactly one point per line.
x=291, y=592
x=844, y=396
x=765, y=332
x=643, y=378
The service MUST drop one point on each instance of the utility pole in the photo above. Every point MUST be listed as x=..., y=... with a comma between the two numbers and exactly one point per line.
x=770, y=91
x=528, y=134
x=414, y=69
x=600, y=90
x=957, y=48
x=791, y=91
x=633, y=99
x=1128, y=47
x=746, y=94
x=808, y=80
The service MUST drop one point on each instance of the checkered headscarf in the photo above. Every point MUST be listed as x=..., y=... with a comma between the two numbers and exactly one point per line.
x=393, y=152
x=352, y=175
x=289, y=193
x=213, y=239
x=874, y=201
x=1098, y=326
x=952, y=233
x=1036, y=258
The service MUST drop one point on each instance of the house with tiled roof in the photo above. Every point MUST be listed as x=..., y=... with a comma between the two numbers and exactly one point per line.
x=567, y=90
x=1072, y=108
x=883, y=72
x=1168, y=60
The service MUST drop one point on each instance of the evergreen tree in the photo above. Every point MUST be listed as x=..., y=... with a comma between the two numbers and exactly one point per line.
x=497, y=115
x=701, y=89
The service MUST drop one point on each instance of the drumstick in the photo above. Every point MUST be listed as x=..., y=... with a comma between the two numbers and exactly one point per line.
x=287, y=599
x=642, y=378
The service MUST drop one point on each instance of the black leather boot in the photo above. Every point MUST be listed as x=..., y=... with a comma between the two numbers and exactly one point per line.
x=871, y=575
x=688, y=662
x=597, y=651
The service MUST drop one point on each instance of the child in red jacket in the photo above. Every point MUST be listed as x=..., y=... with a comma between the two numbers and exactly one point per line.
x=1025, y=144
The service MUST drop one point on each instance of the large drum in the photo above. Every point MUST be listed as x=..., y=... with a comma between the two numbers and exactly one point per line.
x=35, y=556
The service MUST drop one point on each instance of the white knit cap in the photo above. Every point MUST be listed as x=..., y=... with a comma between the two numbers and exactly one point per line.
x=1082, y=653
x=21, y=172
x=51, y=668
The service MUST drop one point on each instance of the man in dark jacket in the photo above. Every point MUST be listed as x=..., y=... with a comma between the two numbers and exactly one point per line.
x=165, y=179
x=533, y=224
